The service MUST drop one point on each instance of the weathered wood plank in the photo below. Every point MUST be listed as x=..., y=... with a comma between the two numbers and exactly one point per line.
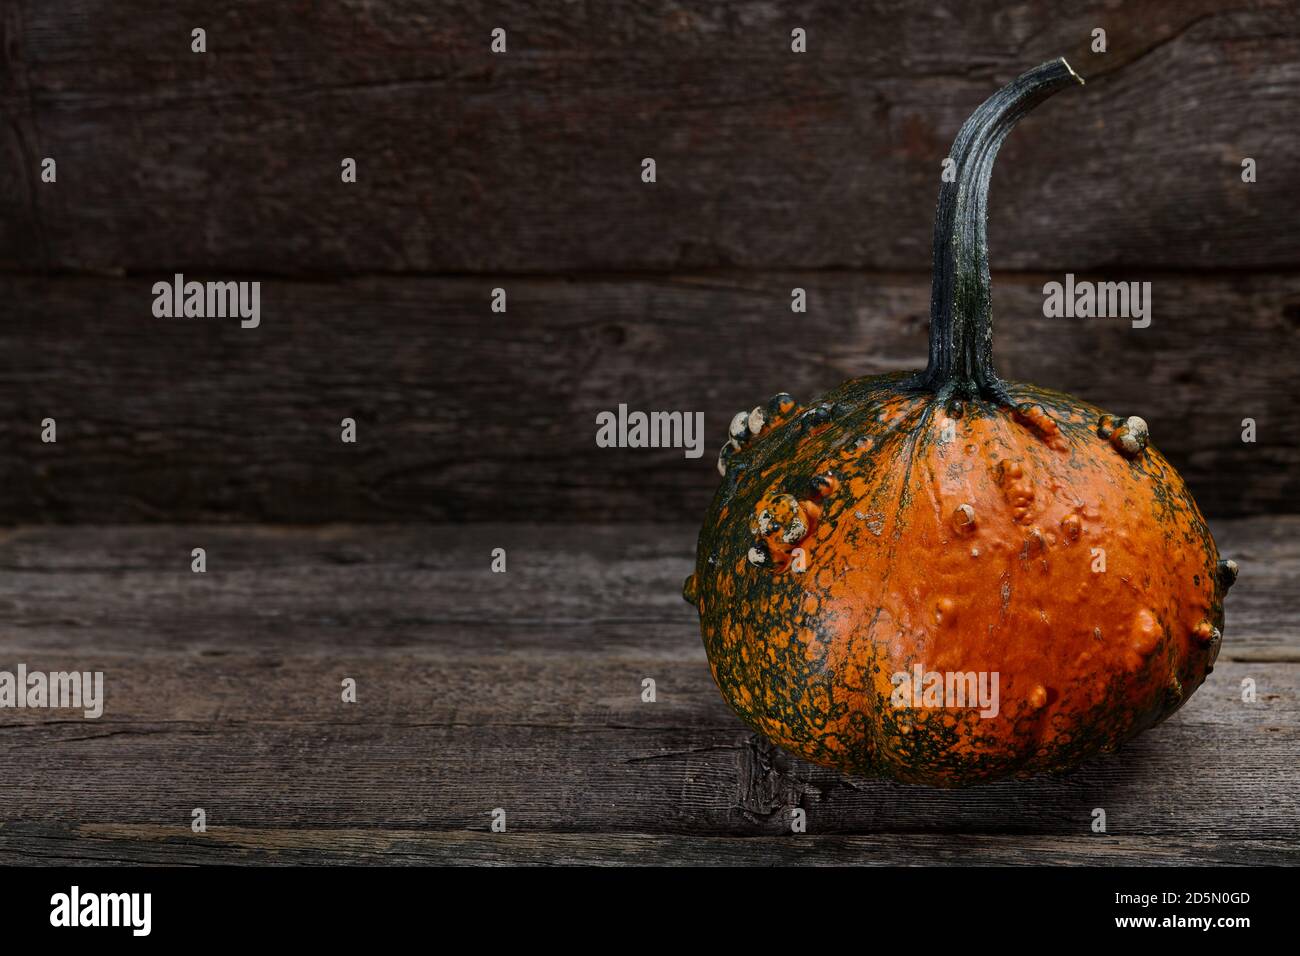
x=607, y=591
x=569, y=747
x=527, y=162
x=463, y=414
x=211, y=703
x=1263, y=603
x=160, y=845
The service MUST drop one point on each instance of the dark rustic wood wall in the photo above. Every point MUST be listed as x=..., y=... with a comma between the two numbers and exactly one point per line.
x=522, y=171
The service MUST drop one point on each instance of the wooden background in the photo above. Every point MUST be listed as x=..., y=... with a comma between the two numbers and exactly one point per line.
x=476, y=430
x=522, y=172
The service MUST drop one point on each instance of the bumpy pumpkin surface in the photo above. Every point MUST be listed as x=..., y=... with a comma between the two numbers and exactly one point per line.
x=949, y=522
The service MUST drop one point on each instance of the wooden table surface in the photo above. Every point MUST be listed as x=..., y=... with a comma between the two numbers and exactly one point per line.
x=478, y=690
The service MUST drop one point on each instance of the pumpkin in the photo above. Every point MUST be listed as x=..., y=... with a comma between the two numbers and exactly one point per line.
x=876, y=561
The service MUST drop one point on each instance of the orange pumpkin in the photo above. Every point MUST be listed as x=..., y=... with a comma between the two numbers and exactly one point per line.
x=946, y=578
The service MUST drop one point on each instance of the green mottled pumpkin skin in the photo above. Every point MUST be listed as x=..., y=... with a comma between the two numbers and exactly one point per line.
x=961, y=535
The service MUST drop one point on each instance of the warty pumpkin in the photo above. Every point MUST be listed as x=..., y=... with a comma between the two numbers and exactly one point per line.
x=951, y=524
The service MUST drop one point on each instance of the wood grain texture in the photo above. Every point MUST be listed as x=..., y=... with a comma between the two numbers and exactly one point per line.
x=147, y=845
x=530, y=161
x=522, y=691
x=464, y=414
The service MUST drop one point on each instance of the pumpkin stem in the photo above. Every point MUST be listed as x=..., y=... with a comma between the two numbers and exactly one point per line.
x=961, y=317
